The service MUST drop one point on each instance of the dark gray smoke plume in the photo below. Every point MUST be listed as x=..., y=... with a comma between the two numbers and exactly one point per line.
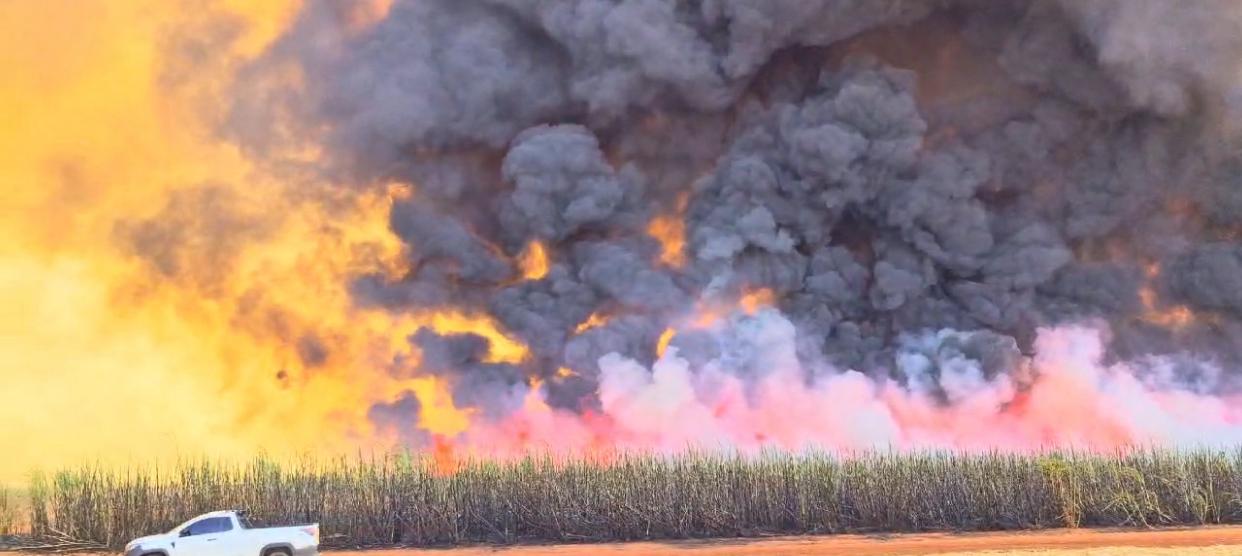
x=883, y=167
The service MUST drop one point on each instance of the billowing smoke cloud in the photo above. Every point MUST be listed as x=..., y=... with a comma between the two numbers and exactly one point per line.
x=961, y=390
x=837, y=223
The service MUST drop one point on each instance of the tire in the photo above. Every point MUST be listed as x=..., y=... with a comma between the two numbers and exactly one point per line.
x=278, y=552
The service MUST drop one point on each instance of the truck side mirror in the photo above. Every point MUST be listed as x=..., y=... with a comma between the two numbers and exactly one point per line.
x=185, y=532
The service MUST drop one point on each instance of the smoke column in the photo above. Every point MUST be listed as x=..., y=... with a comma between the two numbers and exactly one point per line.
x=800, y=224
x=495, y=226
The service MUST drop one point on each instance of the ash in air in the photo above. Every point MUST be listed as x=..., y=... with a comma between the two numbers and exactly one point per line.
x=805, y=223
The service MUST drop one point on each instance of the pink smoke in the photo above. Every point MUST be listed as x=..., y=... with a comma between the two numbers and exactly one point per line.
x=1072, y=400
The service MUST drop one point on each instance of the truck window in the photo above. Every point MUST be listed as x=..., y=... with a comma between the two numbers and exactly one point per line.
x=223, y=524
x=208, y=526
x=249, y=522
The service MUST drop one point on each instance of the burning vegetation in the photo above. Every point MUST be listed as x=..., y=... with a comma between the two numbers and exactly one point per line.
x=789, y=224
x=485, y=228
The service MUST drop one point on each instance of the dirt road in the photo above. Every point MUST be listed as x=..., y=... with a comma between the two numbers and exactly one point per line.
x=1204, y=541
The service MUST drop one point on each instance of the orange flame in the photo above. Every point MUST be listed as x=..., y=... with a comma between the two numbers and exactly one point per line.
x=750, y=303
x=364, y=14
x=665, y=338
x=707, y=317
x=444, y=461
x=534, y=262
x=437, y=413
x=670, y=231
x=1176, y=316
x=754, y=300
x=593, y=321
x=502, y=348
x=225, y=309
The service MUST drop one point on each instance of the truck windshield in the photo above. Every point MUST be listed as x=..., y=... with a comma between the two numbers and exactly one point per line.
x=183, y=525
x=202, y=526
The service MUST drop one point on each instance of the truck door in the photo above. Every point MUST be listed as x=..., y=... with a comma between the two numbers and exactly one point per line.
x=205, y=537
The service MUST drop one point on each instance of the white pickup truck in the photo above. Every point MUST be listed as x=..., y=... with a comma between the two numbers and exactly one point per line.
x=228, y=533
